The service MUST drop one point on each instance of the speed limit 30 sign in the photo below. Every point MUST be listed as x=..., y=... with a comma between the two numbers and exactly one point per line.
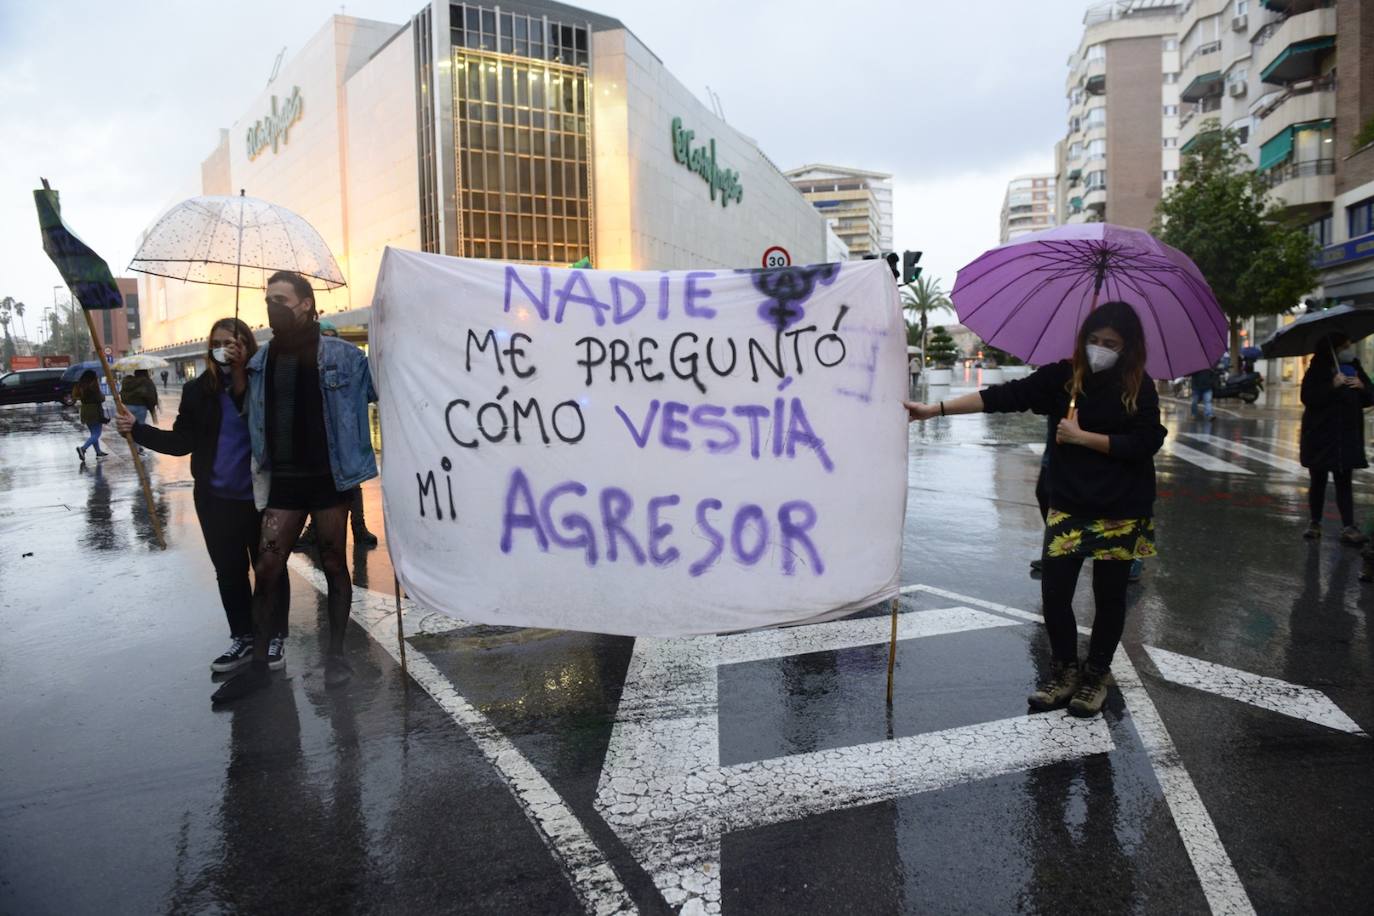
x=777, y=256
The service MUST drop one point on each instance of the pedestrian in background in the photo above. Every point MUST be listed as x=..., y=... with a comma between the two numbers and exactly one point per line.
x=1203, y=383
x=92, y=400
x=139, y=394
x=211, y=429
x=1101, y=486
x=1335, y=392
x=164, y=378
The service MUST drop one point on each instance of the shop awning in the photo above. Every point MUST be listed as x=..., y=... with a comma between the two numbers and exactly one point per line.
x=1298, y=60
x=1279, y=148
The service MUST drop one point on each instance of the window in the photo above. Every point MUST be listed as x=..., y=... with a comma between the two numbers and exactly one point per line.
x=1360, y=217
x=1096, y=179
x=1075, y=151
x=1095, y=52
x=1320, y=230
x=1170, y=78
x=1171, y=174
x=1170, y=142
x=1096, y=117
x=1170, y=111
x=1242, y=7
x=1171, y=44
x=1096, y=149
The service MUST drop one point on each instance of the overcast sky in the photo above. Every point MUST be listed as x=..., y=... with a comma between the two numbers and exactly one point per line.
x=118, y=103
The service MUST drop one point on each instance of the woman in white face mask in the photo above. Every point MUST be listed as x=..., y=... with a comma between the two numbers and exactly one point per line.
x=210, y=428
x=1335, y=392
x=1101, y=483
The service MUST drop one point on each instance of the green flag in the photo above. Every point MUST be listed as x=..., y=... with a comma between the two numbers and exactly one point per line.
x=85, y=272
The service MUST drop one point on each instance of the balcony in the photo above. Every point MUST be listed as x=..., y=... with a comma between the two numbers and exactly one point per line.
x=1314, y=102
x=1292, y=51
x=1305, y=188
x=1095, y=198
x=1094, y=79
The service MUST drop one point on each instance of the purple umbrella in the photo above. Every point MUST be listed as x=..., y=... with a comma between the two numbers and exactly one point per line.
x=1030, y=296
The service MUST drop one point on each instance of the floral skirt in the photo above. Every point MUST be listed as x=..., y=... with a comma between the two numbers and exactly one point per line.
x=1098, y=538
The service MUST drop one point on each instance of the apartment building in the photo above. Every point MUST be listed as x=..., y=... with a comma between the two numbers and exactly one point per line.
x=857, y=204
x=1120, y=149
x=1028, y=206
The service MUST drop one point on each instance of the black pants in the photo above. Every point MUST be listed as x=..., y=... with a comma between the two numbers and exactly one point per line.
x=1345, y=498
x=1057, y=584
x=232, y=528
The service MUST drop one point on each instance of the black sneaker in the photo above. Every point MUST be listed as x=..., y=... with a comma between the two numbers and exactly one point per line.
x=1313, y=532
x=1037, y=565
x=241, y=685
x=276, y=653
x=239, y=653
x=365, y=538
x=81, y=453
x=337, y=671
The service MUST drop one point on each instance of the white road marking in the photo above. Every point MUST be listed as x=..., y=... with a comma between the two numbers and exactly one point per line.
x=1246, y=451
x=1202, y=459
x=665, y=793
x=592, y=879
x=1269, y=693
x=1220, y=883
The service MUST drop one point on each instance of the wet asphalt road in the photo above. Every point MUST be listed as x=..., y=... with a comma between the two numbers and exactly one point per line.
x=1231, y=771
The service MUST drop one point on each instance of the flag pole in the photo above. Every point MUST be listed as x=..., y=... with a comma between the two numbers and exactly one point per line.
x=129, y=438
x=892, y=652
x=400, y=626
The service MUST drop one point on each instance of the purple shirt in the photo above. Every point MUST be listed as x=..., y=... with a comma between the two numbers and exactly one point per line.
x=231, y=475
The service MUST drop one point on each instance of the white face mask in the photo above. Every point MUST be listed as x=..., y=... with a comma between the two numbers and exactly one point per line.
x=1100, y=359
x=1347, y=355
x=220, y=355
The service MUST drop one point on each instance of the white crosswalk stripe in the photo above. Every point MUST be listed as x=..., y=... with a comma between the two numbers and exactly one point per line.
x=1202, y=459
x=1247, y=451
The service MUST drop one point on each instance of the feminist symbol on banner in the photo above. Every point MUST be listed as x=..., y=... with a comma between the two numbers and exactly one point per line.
x=787, y=288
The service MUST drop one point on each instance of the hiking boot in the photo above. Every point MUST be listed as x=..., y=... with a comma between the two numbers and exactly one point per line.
x=241, y=685
x=1351, y=535
x=239, y=653
x=1313, y=532
x=1092, y=691
x=337, y=671
x=1057, y=689
x=276, y=653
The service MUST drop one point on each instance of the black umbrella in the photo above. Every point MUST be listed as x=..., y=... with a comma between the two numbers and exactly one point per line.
x=1305, y=335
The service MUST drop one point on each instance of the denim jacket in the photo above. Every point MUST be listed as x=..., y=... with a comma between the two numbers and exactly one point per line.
x=346, y=389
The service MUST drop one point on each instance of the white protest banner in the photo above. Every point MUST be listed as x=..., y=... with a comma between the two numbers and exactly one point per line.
x=643, y=453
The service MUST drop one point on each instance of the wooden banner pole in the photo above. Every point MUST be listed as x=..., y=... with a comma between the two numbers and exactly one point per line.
x=400, y=626
x=892, y=652
x=133, y=447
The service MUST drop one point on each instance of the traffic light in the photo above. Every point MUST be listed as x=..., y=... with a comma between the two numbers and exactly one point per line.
x=909, y=269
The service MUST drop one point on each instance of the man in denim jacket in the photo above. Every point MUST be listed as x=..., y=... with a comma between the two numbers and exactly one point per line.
x=307, y=417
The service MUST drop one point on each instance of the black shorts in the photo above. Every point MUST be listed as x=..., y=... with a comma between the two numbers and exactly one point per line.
x=304, y=494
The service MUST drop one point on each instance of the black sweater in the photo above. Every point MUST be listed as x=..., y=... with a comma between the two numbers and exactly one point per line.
x=195, y=431
x=1117, y=485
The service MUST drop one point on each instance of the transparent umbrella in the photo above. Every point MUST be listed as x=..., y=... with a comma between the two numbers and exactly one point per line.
x=235, y=241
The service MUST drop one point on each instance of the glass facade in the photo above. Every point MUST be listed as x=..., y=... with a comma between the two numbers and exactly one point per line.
x=522, y=137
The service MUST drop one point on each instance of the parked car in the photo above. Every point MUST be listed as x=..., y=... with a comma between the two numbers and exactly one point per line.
x=33, y=386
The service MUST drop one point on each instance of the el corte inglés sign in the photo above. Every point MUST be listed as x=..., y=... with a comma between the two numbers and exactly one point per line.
x=702, y=160
x=274, y=129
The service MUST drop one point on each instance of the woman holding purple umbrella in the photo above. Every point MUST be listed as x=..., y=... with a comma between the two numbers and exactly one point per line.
x=1101, y=494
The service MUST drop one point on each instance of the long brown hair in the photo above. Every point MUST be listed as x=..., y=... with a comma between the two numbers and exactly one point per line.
x=245, y=336
x=1120, y=317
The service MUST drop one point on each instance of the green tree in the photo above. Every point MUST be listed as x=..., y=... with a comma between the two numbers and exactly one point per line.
x=6, y=316
x=1221, y=216
x=942, y=350
x=919, y=299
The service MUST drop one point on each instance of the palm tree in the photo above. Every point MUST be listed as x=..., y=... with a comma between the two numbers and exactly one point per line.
x=6, y=305
x=19, y=313
x=921, y=298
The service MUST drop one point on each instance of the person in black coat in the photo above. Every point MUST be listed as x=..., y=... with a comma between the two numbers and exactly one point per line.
x=1335, y=392
x=211, y=429
x=1101, y=489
